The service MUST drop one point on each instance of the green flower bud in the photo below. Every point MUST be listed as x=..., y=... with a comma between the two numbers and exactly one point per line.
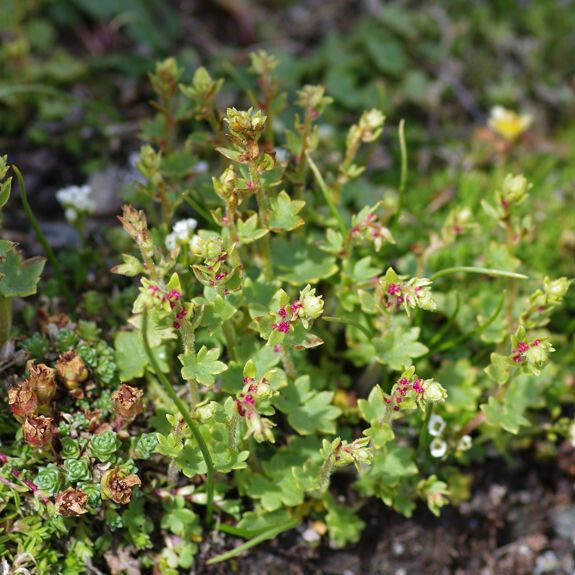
x=313, y=97
x=213, y=248
x=205, y=411
x=245, y=124
x=371, y=125
x=104, y=446
x=514, y=189
x=312, y=304
x=78, y=469
x=224, y=185
x=433, y=391
x=149, y=163
x=262, y=62
x=49, y=479
x=555, y=290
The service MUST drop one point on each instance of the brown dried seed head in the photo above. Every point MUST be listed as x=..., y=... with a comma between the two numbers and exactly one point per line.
x=127, y=401
x=117, y=485
x=71, y=502
x=22, y=399
x=38, y=430
x=71, y=368
x=43, y=380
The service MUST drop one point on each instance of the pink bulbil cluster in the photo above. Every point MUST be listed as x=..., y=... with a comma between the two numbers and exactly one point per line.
x=401, y=390
x=394, y=291
x=173, y=297
x=287, y=314
x=245, y=404
x=521, y=349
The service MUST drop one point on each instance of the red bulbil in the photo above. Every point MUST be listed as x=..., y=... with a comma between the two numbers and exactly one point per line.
x=396, y=408
x=387, y=400
x=176, y=325
x=174, y=295
x=535, y=343
x=282, y=312
x=249, y=399
x=181, y=314
x=277, y=348
x=399, y=299
x=393, y=289
x=282, y=326
x=240, y=408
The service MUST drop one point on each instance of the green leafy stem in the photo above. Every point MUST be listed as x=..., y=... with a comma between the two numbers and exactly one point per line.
x=187, y=417
x=44, y=242
x=477, y=270
x=268, y=534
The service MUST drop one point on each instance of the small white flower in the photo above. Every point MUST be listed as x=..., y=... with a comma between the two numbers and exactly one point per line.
x=171, y=243
x=464, y=443
x=184, y=229
x=201, y=167
x=282, y=155
x=325, y=132
x=196, y=244
x=438, y=447
x=310, y=535
x=436, y=425
x=572, y=434
x=71, y=215
x=78, y=199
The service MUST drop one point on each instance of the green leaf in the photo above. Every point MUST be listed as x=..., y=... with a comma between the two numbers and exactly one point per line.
x=131, y=356
x=397, y=347
x=308, y=411
x=248, y=230
x=502, y=415
x=459, y=379
x=300, y=264
x=500, y=368
x=387, y=53
x=19, y=278
x=284, y=216
x=203, y=366
x=373, y=410
x=343, y=524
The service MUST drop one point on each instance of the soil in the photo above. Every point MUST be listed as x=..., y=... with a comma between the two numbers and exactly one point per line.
x=520, y=520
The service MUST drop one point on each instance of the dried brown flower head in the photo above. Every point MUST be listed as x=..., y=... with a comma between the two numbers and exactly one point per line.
x=117, y=485
x=71, y=502
x=38, y=430
x=22, y=399
x=43, y=380
x=72, y=369
x=127, y=401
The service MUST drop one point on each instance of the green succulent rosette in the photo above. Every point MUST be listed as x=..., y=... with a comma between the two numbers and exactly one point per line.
x=78, y=469
x=70, y=448
x=104, y=446
x=92, y=490
x=145, y=446
x=49, y=479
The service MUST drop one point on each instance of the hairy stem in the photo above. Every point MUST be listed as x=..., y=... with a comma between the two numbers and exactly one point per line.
x=186, y=416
